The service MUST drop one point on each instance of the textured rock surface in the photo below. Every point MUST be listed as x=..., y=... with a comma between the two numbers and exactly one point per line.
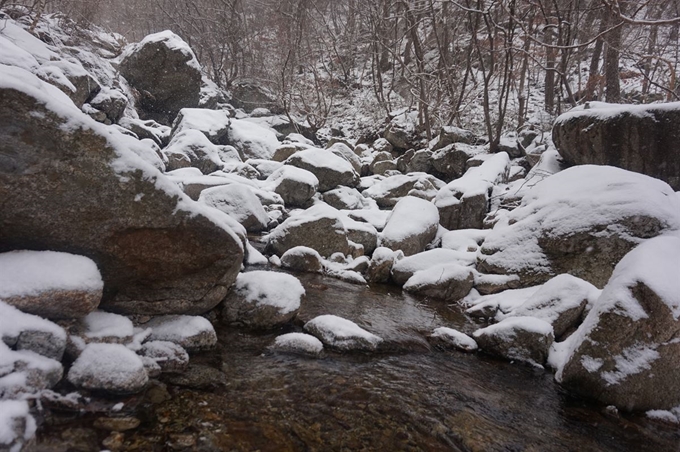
x=640, y=138
x=77, y=189
x=164, y=70
x=626, y=351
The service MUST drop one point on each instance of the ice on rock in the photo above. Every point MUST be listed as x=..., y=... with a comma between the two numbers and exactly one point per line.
x=193, y=333
x=108, y=367
x=342, y=334
x=298, y=343
x=450, y=338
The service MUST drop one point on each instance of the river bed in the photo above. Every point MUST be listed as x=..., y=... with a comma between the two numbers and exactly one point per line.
x=407, y=396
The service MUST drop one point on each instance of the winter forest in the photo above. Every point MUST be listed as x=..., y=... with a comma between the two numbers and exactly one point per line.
x=332, y=225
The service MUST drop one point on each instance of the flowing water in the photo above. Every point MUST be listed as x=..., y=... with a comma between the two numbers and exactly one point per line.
x=407, y=396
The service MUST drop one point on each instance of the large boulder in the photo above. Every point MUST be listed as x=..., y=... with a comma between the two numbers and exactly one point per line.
x=263, y=299
x=626, y=351
x=525, y=339
x=249, y=95
x=464, y=202
x=50, y=284
x=411, y=226
x=449, y=282
x=318, y=227
x=451, y=134
x=295, y=185
x=640, y=138
x=109, y=367
x=71, y=184
x=330, y=169
x=165, y=72
x=191, y=148
x=239, y=202
x=214, y=124
x=580, y=221
x=389, y=191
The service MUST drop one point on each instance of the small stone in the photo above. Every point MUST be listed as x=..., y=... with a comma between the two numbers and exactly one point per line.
x=169, y=356
x=116, y=424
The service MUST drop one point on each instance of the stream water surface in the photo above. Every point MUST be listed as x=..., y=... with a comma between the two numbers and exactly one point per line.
x=407, y=396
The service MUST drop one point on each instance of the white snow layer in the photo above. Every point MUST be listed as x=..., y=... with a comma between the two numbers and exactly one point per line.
x=127, y=148
x=105, y=366
x=11, y=414
x=279, y=290
x=300, y=342
x=101, y=324
x=337, y=332
x=455, y=338
x=24, y=273
x=655, y=263
x=576, y=200
x=410, y=216
x=253, y=140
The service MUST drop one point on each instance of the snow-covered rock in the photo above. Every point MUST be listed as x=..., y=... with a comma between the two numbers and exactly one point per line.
x=561, y=302
x=389, y=191
x=157, y=251
x=330, y=169
x=407, y=267
x=108, y=367
x=640, y=138
x=380, y=266
x=169, y=356
x=318, y=227
x=302, y=259
x=165, y=70
x=411, y=227
x=301, y=343
x=449, y=282
x=450, y=134
x=253, y=141
x=263, y=299
x=450, y=162
x=342, y=334
x=107, y=327
x=50, y=284
x=626, y=351
x=211, y=123
x=580, y=221
x=526, y=339
x=296, y=186
x=17, y=425
x=345, y=198
x=449, y=338
x=193, y=333
x=28, y=332
x=239, y=202
x=191, y=148
x=464, y=202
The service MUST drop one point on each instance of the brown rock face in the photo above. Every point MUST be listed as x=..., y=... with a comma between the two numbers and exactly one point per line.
x=644, y=139
x=58, y=304
x=59, y=192
x=167, y=76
